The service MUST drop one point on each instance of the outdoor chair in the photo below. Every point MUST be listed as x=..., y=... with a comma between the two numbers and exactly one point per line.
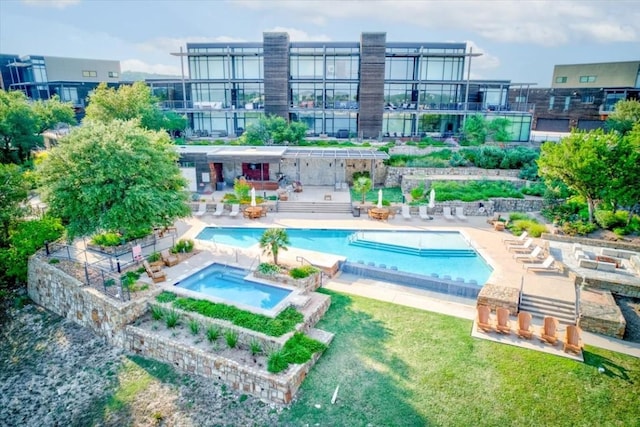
x=572, y=341
x=155, y=273
x=519, y=240
x=202, y=209
x=503, y=324
x=235, y=210
x=219, y=209
x=460, y=213
x=484, y=318
x=168, y=258
x=549, y=330
x=422, y=211
x=524, y=325
x=549, y=264
x=526, y=246
x=533, y=257
x=406, y=213
x=446, y=210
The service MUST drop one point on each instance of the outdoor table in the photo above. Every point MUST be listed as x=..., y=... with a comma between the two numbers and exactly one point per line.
x=253, y=212
x=380, y=214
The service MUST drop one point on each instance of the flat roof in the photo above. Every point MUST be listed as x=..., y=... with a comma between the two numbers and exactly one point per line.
x=273, y=152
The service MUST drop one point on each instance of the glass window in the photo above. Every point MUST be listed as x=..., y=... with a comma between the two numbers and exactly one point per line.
x=567, y=103
x=399, y=68
x=69, y=94
x=433, y=69
x=588, y=99
x=551, y=101
x=562, y=79
x=87, y=73
x=114, y=74
x=587, y=79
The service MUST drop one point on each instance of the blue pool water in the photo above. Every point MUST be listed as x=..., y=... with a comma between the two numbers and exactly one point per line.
x=228, y=283
x=419, y=252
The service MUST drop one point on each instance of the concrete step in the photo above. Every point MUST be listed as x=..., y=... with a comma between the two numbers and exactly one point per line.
x=314, y=207
x=541, y=306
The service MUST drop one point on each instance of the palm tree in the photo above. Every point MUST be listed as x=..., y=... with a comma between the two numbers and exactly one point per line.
x=273, y=240
x=362, y=185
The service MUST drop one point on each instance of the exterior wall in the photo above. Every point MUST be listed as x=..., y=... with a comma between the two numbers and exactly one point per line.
x=70, y=69
x=608, y=74
x=66, y=296
x=371, y=94
x=273, y=388
x=276, y=74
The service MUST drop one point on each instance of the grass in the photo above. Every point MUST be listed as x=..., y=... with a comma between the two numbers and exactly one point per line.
x=401, y=366
x=389, y=194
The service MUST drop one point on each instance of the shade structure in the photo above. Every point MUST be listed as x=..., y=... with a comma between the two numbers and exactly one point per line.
x=253, y=196
x=380, y=198
x=432, y=199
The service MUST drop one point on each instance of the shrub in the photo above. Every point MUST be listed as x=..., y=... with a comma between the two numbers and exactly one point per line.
x=268, y=268
x=533, y=227
x=107, y=239
x=303, y=271
x=284, y=322
x=417, y=193
x=154, y=257
x=529, y=172
x=157, y=313
x=515, y=216
x=255, y=347
x=472, y=191
x=183, y=246
x=580, y=228
x=609, y=220
x=172, y=318
x=213, y=332
x=54, y=261
x=194, y=326
x=231, y=337
x=537, y=189
x=277, y=362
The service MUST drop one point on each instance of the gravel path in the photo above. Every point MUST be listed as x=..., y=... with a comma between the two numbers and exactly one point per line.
x=56, y=373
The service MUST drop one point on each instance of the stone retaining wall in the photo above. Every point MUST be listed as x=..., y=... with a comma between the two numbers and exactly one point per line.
x=395, y=175
x=592, y=242
x=308, y=284
x=278, y=388
x=496, y=296
x=600, y=314
x=55, y=290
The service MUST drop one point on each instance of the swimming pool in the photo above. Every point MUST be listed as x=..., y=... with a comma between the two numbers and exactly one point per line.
x=229, y=284
x=426, y=253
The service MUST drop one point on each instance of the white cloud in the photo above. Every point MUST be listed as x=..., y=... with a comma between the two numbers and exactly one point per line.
x=300, y=35
x=58, y=4
x=479, y=64
x=138, y=65
x=607, y=32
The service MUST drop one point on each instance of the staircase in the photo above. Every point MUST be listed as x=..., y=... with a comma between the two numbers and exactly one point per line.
x=314, y=207
x=540, y=306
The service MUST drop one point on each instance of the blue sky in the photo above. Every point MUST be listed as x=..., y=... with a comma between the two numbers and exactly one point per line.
x=520, y=41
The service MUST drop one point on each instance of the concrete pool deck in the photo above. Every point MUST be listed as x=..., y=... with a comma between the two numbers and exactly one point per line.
x=487, y=241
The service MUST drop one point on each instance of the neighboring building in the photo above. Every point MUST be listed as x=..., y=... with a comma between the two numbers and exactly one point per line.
x=72, y=79
x=367, y=89
x=581, y=96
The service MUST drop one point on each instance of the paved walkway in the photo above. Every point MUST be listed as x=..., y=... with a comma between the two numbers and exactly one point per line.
x=506, y=271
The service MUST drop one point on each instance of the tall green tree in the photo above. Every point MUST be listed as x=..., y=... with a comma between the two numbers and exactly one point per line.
x=13, y=192
x=475, y=130
x=18, y=127
x=113, y=177
x=274, y=129
x=273, y=240
x=125, y=103
x=497, y=129
x=51, y=112
x=582, y=162
x=623, y=189
x=625, y=115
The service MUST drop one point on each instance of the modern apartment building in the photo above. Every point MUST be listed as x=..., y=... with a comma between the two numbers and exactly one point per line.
x=368, y=89
x=581, y=96
x=41, y=77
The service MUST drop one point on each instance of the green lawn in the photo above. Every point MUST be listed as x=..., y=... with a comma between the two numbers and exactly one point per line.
x=398, y=366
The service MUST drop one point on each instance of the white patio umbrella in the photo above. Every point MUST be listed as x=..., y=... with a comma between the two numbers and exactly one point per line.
x=253, y=196
x=379, y=198
x=432, y=199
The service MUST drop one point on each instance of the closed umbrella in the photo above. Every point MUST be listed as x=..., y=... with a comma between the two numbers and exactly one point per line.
x=432, y=199
x=379, y=198
x=253, y=196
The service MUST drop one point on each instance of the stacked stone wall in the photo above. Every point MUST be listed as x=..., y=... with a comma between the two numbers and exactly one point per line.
x=396, y=175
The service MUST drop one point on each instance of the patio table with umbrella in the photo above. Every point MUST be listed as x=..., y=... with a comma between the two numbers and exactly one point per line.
x=253, y=211
x=379, y=212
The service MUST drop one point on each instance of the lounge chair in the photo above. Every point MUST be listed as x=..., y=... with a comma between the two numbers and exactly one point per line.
x=503, y=324
x=533, y=257
x=406, y=213
x=549, y=330
x=521, y=238
x=422, y=211
x=156, y=273
x=547, y=265
x=235, y=210
x=484, y=318
x=572, y=341
x=446, y=211
x=202, y=209
x=168, y=258
x=525, y=247
x=460, y=213
x=219, y=209
x=524, y=325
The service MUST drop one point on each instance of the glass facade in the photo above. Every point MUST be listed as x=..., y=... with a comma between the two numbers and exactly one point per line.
x=423, y=89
